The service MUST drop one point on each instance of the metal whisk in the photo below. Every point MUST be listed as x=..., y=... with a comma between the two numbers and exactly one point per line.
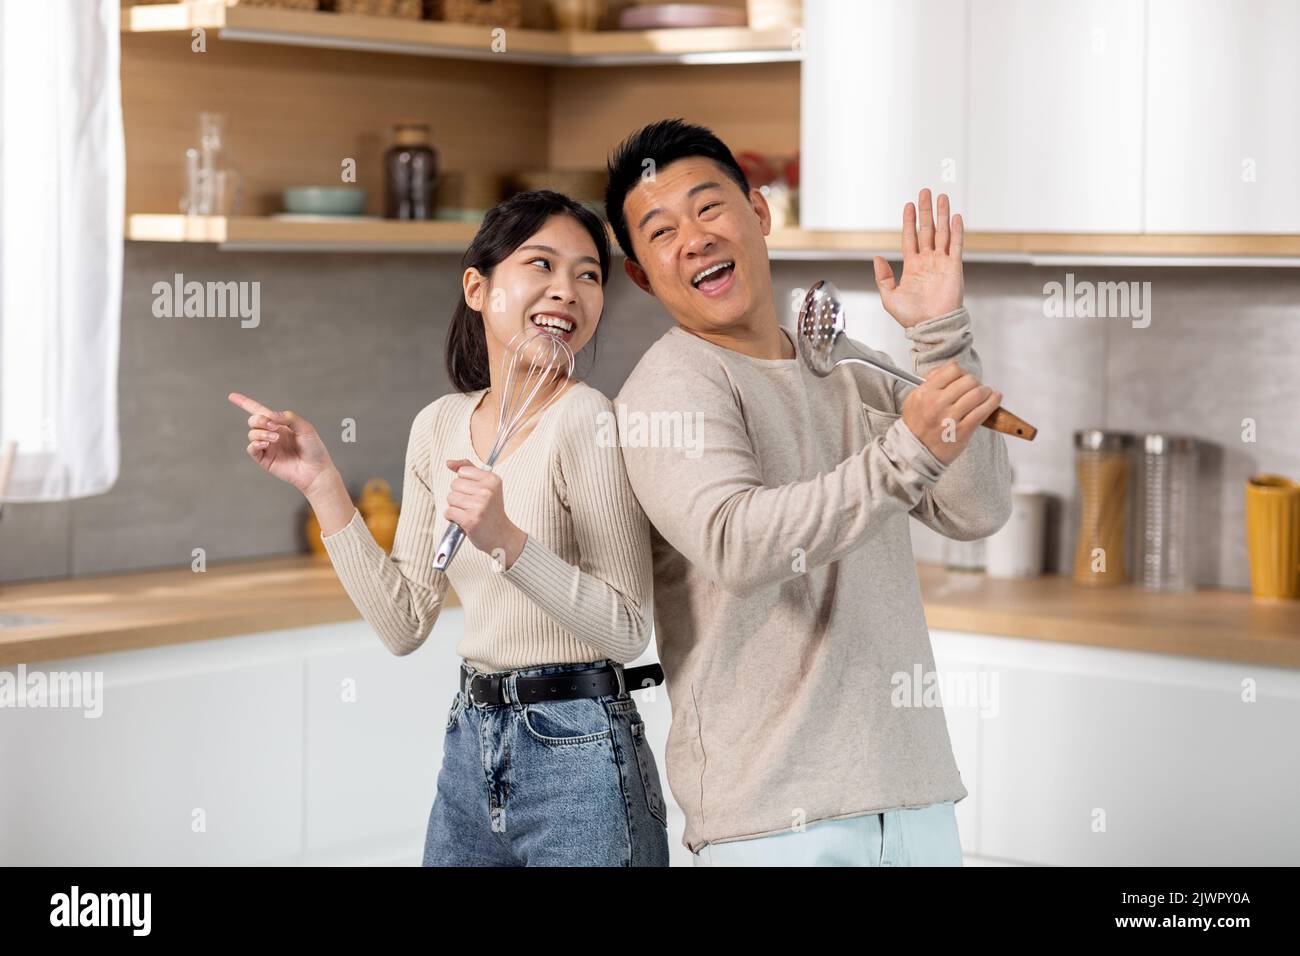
x=550, y=362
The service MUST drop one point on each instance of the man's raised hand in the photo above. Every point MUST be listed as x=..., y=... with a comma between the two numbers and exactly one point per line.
x=932, y=282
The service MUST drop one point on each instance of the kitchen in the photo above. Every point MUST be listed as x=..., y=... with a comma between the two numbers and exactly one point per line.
x=1125, y=171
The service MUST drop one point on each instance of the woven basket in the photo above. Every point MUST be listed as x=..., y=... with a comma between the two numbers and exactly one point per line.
x=405, y=9
x=492, y=13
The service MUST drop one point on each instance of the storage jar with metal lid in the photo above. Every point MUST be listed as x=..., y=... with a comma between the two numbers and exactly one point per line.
x=1166, y=505
x=1103, y=466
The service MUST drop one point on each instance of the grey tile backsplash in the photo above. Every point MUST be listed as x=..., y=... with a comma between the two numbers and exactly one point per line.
x=359, y=336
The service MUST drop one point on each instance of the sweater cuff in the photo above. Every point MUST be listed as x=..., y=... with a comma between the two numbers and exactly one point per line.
x=351, y=538
x=936, y=340
x=941, y=326
x=912, y=451
x=539, y=570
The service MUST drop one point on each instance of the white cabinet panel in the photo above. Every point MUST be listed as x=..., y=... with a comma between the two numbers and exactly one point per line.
x=883, y=109
x=1223, y=128
x=306, y=746
x=963, y=709
x=375, y=725
x=1184, y=770
x=1056, y=116
x=194, y=727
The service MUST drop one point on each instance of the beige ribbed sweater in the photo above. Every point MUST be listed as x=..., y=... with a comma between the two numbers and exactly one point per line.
x=788, y=615
x=578, y=589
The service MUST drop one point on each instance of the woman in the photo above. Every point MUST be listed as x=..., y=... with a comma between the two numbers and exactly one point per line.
x=545, y=758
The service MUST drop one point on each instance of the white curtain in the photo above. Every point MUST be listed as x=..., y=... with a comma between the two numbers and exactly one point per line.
x=62, y=183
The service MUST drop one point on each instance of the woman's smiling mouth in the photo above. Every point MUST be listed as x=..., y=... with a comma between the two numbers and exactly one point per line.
x=557, y=323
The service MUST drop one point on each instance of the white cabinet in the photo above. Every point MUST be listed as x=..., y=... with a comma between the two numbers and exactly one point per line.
x=1092, y=116
x=1055, y=116
x=883, y=109
x=1223, y=128
x=1097, y=757
x=308, y=746
x=312, y=746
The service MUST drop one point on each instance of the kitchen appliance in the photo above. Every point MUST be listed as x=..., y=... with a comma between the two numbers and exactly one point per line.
x=823, y=347
x=549, y=364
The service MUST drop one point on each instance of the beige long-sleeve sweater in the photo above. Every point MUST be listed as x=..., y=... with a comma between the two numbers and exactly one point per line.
x=788, y=614
x=576, y=592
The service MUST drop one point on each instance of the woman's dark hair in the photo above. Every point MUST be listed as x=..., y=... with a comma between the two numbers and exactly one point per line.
x=660, y=143
x=505, y=228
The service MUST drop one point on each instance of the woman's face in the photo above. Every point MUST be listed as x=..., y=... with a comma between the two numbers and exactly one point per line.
x=551, y=282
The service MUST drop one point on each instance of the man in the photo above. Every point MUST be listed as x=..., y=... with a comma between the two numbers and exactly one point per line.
x=787, y=608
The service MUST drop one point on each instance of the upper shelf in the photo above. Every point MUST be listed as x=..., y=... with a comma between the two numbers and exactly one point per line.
x=466, y=41
x=386, y=235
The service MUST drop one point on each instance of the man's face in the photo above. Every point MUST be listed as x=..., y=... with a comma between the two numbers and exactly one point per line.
x=699, y=244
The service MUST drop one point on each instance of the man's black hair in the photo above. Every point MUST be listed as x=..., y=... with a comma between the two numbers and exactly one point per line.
x=662, y=142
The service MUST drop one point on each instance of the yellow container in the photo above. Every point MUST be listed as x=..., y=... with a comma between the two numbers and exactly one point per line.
x=379, y=511
x=1273, y=536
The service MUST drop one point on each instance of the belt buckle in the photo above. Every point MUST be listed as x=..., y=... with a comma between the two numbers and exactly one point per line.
x=504, y=692
x=469, y=689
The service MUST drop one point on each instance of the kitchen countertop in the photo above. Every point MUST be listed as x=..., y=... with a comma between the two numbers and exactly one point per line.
x=1221, y=625
x=136, y=610
x=133, y=610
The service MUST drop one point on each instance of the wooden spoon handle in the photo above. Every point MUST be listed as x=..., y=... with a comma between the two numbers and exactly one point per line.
x=1003, y=421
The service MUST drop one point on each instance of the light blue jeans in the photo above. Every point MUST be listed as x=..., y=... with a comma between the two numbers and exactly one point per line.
x=921, y=836
x=555, y=783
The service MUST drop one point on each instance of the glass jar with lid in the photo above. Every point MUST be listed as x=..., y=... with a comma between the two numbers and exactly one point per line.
x=410, y=173
x=1166, y=504
x=1104, y=472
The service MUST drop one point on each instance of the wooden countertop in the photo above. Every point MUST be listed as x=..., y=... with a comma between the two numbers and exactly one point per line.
x=1222, y=625
x=121, y=612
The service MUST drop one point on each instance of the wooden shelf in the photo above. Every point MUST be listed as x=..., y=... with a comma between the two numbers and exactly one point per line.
x=379, y=235
x=467, y=41
x=270, y=232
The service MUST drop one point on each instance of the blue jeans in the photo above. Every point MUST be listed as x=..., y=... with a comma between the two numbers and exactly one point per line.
x=915, y=836
x=556, y=783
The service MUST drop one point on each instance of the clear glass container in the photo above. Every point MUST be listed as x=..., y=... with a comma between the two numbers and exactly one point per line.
x=1103, y=507
x=213, y=184
x=410, y=174
x=1166, y=507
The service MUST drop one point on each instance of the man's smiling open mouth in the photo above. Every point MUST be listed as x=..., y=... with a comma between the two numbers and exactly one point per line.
x=715, y=279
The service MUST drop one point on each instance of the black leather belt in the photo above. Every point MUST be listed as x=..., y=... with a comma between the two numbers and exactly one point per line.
x=589, y=682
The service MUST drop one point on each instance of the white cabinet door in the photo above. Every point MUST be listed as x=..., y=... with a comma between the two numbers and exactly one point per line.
x=1056, y=116
x=1223, y=128
x=1095, y=757
x=883, y=109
